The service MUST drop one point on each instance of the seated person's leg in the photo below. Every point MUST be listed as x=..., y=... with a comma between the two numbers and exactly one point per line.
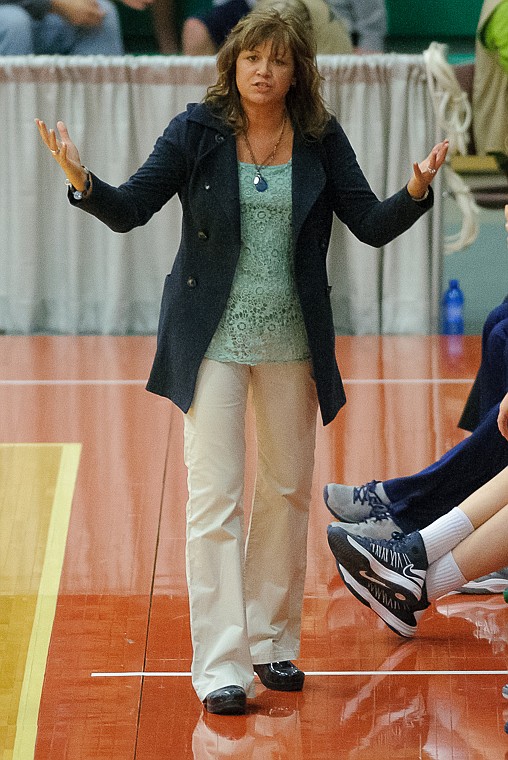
x=15, y=31
x=463, y=469
x=412, y=502
x=480, y=398
x=55, y=35
x=451, y=479
x=498, y=314
x=165, y=26
x=494, y=378
x=196, y=39
x=204, y=34
x=399, y=578
x=106, y=39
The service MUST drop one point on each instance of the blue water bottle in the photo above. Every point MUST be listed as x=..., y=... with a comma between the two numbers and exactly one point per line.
x=453, y=310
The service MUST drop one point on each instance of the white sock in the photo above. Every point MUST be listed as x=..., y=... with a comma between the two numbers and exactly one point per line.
x=445, y=533
x=443, y=576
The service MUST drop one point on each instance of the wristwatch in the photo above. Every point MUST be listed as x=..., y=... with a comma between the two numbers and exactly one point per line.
x=78, y=195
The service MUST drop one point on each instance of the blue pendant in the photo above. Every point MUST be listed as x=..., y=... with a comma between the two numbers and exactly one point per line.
x=260, y=183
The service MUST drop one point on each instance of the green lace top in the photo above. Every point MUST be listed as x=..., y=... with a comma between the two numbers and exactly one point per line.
x=263, y=321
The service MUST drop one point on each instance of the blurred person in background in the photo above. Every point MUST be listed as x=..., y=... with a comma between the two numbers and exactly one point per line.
x=164, y=24
x=490, y=82
x=62, y=27
x=365, y=21
x=204, y=34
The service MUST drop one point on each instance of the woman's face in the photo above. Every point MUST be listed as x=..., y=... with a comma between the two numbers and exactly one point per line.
x=264, y=75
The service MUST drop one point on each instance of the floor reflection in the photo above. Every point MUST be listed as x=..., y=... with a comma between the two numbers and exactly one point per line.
x=488, y=614
x=269, y=730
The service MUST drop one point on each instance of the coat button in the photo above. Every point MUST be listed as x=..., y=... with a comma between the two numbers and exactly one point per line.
x=219, y=139
x=207, y=186
x=203, y=235
x=323, y=245
x=191, y=282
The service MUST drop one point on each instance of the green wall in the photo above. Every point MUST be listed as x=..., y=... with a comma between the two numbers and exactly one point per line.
x=431, y=18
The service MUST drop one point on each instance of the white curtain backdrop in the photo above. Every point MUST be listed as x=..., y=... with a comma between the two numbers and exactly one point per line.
x=62, y=271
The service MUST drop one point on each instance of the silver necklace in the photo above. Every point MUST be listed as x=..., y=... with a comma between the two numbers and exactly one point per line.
x=260, y=182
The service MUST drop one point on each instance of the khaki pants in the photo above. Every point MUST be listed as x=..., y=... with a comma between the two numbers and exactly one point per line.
x=246, y=601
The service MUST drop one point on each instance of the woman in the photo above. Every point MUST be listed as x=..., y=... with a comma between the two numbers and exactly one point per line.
x=260, y=166
x=399, y=577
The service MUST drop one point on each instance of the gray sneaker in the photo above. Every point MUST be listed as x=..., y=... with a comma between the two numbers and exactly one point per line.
x=493, y=583
x=353, y=504
x=381, y=526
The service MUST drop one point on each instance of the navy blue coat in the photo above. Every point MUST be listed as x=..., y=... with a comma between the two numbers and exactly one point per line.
x=196, y=158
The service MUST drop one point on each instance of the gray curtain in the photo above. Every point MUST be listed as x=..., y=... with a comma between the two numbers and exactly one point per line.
x=63, y=272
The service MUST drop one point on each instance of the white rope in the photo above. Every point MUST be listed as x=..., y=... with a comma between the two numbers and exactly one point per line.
x=470, y=212
x=451, y=104
x=453, y=115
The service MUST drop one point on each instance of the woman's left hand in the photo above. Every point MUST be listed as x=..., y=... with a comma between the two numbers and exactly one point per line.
x=424, y=173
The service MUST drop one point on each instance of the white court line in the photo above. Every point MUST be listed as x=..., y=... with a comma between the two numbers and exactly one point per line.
x=73, y=382
x=177, y=674
x=366, y=381
x=411, y=381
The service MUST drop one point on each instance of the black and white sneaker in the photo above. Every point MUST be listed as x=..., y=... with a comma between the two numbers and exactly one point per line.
x=386, y=575
x=356, y=503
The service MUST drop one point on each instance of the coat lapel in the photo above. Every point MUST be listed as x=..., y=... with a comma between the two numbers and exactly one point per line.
x=225, y=171
x=308, y=180
x=217, y=161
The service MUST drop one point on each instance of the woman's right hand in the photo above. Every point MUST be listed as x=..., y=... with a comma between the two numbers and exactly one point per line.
x=64, y=152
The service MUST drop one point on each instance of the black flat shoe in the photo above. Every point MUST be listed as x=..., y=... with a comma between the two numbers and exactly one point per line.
x=280, y=676
x=230, y=700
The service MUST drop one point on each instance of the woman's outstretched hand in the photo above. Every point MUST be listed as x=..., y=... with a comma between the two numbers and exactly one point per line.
x=64, y=152
x=424, y=172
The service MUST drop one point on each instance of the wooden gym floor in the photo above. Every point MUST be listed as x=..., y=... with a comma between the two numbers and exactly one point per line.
x=94, y=636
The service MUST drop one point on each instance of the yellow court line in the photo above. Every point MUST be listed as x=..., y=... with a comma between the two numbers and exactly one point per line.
x=28, y=710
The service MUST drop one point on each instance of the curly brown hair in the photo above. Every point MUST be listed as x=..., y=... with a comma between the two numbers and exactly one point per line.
x=288, y=31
